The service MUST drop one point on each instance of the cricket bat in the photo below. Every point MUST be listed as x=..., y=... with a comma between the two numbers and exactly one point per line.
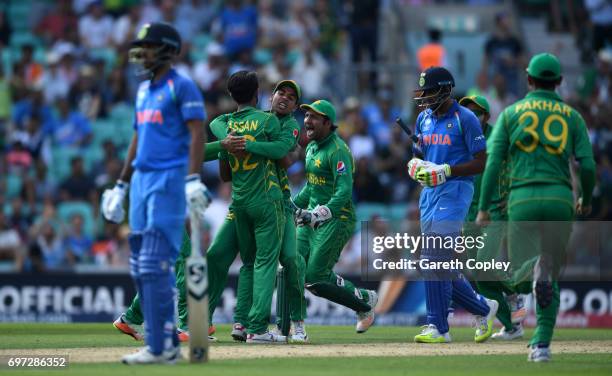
x=196, y=273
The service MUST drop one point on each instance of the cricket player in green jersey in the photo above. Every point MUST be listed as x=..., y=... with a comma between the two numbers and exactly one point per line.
x=538, y=135
x=256, y=198
x=511, y=310
x=224, y=248
x=326, y=217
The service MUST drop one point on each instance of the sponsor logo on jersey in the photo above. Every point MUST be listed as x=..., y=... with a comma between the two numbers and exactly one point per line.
x=436, y=139
x=149, y=116
x=340, y=168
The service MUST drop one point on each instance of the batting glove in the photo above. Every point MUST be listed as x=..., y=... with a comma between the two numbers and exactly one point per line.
x=196, y=194
x=112, y=202
x=320, y=214
x=433, y=175
x=415, y=165
x=302, y=217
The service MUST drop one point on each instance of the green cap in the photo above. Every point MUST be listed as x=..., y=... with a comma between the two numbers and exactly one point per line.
x=289, y=83
x=478, y=100
x=544, y=66
x=322, y=107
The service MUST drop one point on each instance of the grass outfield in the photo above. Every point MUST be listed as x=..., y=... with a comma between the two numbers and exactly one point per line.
x=74, y=337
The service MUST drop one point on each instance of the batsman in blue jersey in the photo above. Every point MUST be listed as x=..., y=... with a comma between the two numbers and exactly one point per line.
x=453, y=145
x=163, y=166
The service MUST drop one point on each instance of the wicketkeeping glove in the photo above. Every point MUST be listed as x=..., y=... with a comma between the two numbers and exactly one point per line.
x=196, y=194
x=433, y=175
x=112, y=202
x=320, y=214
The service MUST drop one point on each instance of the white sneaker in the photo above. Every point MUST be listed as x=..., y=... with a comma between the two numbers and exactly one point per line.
x=299, y=332
x=539, y=354
x=366, y=319
x=144, y=356
x=484, y=324
x=239, y=332
x=126, y=327
x=517, y=307
x=430, y=334
x=268, y=337
x=503, y=334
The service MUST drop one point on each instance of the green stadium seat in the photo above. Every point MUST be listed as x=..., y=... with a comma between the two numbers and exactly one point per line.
x=365, y=211
x=66, y=210
x=102, y=130
x=14, y=184
x=60, y=167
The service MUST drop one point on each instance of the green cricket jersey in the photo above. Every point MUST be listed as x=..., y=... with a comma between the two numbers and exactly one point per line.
x=254, y=175
x=329, y=177
x=538, y=135
x=289, y=126
x=500, y=191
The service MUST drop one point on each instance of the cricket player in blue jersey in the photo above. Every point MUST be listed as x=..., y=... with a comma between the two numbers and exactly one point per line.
x=165, y=157
x=454, y=150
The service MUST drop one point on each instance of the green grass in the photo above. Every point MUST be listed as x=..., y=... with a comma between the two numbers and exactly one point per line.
x=40, y=336
x=565, y=364
x=25, y=336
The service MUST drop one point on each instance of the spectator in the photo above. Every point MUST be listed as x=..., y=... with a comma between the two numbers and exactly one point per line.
x=20, y=217
x=271, y=27
x=11, y=244
x=96, y=28
x=126, y=26
x=210, y=74
x=381, y=116
x=49, y=245
x=55, y=24
x=361, y=143
x=367, y=187
x=31, y=105
x=194, y=16
x=32, y=71
x=351, y=115
x=309, y=71
x=78, y=244
x=54, y=84
x=363, y=29
x=72, y=128
x=302, y=29
x=34, y=139
x=5, y=30
x=86, y=94
x=433, y=54
x=504, y=54
x=106, y=246
x=78, y=186
x=5, y=106
x=600, y=12
x=237, y=27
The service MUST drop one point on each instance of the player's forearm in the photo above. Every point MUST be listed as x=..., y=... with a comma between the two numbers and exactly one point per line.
x=126, y=172
x=196, y=148
x=473, y=167
x=211, y=151
x=341, y=196
x=587, y=180
x=489, y=180
x=302, y=198
x=269, y=149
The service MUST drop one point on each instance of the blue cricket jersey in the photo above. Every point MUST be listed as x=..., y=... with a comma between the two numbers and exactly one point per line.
x=162, y=111
x=452, y=138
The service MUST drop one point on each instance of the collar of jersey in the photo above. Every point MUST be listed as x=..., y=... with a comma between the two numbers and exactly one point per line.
x=544, y=93
x=326, y=139
x=245, y=109
x=451, y=111
x=162, y=80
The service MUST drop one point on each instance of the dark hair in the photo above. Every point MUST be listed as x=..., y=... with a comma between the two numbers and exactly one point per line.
x=243, y=86
x=434, y=35
x=545, y=84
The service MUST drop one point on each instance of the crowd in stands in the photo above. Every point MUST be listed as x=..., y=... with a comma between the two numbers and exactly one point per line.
x=66, y=93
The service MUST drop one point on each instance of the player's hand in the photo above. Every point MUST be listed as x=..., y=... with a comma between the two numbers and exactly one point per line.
x=196, y=194
x=234, y=144
x=483, y=218
x=581, y=209
x=112, y=202
x=433, y=175
x=320, y=214
x=415, y=165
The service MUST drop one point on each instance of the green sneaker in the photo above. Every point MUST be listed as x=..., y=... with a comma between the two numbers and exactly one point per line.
x=484, y=324
x=430, y=334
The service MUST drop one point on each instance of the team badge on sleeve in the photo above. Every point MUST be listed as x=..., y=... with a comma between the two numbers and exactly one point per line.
x=340, y=168
x=295, y=133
